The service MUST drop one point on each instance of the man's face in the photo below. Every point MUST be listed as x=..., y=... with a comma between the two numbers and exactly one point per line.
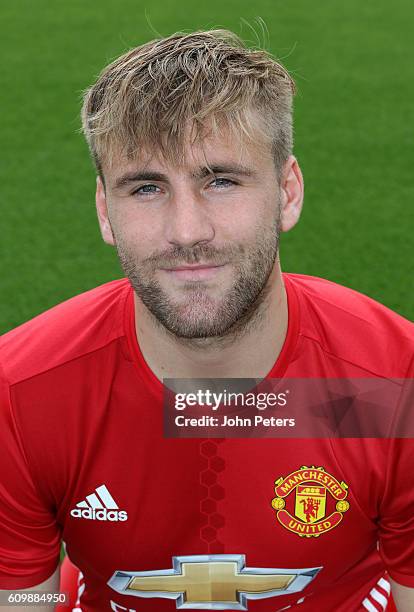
x=198, y=242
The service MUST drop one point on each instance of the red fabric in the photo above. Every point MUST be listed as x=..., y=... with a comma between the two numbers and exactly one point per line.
x=81, y=411
x=69, y=584
x=391, y=606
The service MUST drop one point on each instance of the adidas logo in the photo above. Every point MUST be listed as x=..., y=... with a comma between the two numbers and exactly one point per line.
x=99, y=506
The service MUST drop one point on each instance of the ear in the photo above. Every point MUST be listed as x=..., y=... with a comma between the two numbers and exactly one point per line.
x=102, y=211
x=291, y=188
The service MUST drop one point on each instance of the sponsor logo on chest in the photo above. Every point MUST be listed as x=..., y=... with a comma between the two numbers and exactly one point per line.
x=212, y=582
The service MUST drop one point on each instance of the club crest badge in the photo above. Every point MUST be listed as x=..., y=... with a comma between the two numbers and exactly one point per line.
x=309, y=501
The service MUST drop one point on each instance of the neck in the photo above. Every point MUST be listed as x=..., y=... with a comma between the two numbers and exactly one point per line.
x=249, y=350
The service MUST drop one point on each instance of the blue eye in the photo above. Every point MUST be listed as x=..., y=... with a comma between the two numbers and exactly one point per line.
x=221, y=182
x=146, y=189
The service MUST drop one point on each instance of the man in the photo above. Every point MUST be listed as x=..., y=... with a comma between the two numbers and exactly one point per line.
x=192, y=139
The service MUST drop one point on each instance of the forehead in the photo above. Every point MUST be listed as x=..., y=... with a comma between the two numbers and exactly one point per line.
x=225, y=149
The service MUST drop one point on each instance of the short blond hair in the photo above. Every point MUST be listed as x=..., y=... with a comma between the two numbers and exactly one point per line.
x=207, y=80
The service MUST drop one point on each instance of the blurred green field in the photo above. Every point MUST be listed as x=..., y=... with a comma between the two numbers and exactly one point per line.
x=354, y=124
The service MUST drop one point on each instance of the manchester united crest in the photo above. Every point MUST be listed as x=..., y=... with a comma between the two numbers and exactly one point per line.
x=309, y=501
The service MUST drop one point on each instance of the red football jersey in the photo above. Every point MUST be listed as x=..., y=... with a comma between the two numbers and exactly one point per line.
x=158, y=524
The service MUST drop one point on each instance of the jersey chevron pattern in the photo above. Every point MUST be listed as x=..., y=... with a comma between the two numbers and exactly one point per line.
x=159, y=524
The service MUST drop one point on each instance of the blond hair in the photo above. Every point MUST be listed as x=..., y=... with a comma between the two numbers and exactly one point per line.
x=208, y=80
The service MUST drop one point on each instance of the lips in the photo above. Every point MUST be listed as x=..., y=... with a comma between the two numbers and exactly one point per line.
x=198, y=272
x=198, y=267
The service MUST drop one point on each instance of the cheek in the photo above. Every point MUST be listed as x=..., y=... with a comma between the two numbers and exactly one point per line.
x=238, y=222
x=136, y=235
x=250, y=219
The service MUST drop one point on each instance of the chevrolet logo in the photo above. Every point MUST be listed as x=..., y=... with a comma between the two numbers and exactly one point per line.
x=212, y=582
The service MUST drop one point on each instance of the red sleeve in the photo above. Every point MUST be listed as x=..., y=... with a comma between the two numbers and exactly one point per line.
x=29, y=535
x=396, y=527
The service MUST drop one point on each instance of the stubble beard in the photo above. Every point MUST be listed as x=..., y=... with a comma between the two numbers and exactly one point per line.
x=198, y=316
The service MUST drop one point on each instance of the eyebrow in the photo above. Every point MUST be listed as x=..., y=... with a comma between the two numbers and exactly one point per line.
x=151, y=175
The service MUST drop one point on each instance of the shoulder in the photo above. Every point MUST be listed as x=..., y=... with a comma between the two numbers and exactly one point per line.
x=353, y=326
x=67, y=331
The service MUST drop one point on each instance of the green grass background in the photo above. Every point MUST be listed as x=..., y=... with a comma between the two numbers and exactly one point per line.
x=353, y=63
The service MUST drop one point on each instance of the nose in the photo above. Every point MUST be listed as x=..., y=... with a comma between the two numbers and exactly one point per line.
x=188, y=222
